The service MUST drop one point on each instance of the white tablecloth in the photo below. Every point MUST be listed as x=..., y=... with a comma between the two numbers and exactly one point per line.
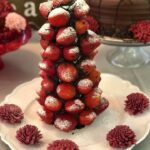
x=22, y=66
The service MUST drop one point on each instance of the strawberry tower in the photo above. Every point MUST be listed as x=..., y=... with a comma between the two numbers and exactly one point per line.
x=69, y=94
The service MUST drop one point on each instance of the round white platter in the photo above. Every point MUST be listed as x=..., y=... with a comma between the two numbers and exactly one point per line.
x=92, y=137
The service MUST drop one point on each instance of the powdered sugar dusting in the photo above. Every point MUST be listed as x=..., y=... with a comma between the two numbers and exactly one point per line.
x=81, y=5
x=67, y=32
x=41, y=112
x=67, y=75
x=62, y=124
x=42, y=65
x=85, y=83
x=51, y=100
x=74, y=50
x=78, y=105
x=93, y=38
x=59, y=11
x=91, y=116
x=88, y=62
x=15, y=21
x=45, y=29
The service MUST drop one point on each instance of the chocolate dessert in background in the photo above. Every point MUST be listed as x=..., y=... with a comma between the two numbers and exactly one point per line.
x=116, y=16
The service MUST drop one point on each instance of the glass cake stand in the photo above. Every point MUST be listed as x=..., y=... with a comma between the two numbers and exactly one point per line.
x=128, y=53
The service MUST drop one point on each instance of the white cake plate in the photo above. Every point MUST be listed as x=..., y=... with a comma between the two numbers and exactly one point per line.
x=89, y=138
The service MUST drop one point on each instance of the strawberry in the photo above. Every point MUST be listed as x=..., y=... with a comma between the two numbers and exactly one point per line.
x=43, y=74
x=48, y=85
x=59, y=17
x=42, y=93
x=81, y=26
x=65, y=122
x=85, y=86
x=93, y=99
x=66, y=36
x=47, y=32
x=45, y=8
x=87, y=66
x=57, y=3
x=52, y=52
x=95, y=77
x=89, y=43
x=67, y=72
x=48, y=67
x=53, y=104
x=87, y=117
x=81, y=8
x=74, y=106
x=66, y=91
x=46, y=115
x=40, y=100
x=44, y=43
x=71, y=53
x=103, y=105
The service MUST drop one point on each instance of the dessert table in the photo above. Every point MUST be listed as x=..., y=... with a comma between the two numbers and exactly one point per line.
x=22, y=66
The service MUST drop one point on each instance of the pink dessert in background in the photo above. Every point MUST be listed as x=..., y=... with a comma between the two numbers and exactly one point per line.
x=14, y=29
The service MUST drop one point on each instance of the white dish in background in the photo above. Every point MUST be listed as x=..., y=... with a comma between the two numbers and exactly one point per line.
x=92, y=137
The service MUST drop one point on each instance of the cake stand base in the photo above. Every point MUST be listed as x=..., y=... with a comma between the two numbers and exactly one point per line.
x=1, y=64
x=128, y=57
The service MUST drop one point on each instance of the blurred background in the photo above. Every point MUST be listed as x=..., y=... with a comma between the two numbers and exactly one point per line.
x=29, y=9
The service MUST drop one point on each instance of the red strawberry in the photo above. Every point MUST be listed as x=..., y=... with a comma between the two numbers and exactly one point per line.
x=41, y=100
x=103, y=105
x=45, y=8
x=46, y=115
x=66, y=91
x=47, y=66
x=46, y=32
x=42, y=93
x=93, y=23
x=81, y=8
x=89, y=43
x=87, y=117
x=43, y=74
x=85, y=86
x=52, y=52
x=95, y=77
x=59, y=17
x=44, y=43
x=42, y=96
x=53, y=104
x=48, y=85
x=81, y=26
x=74, y=106
x=66, y=36
x=57, y=3
x=93, y=99
x=65, y=122
x=67, y=72
x=71, y=53
x=87, y=66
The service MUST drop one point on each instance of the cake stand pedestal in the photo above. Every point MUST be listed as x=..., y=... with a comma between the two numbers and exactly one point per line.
x=128, y=53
